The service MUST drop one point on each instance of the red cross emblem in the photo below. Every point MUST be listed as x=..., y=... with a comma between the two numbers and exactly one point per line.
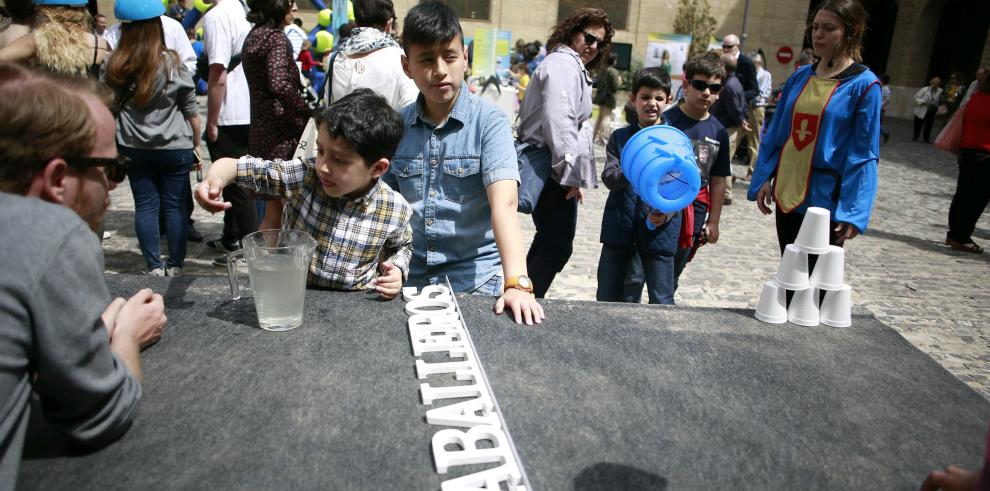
x=804, y=130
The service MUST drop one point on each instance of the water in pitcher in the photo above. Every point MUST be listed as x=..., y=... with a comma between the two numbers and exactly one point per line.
x=279, y=286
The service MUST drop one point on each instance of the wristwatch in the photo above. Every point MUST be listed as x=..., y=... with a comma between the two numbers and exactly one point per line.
x=521, y=282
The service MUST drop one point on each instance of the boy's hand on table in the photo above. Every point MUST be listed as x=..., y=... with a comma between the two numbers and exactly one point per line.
x=208, y=195
x=389, y=282
x=523, y=306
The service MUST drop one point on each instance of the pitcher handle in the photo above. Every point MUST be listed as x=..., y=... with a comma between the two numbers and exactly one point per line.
x=232, y=258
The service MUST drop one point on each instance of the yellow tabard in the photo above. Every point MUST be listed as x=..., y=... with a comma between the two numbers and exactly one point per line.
x=794, y=168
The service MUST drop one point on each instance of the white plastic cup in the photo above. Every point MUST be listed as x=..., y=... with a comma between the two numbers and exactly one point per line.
x=802, y=310
x=772, y=307
x=836, y=308
x=813, y=235
x=829, y=272
x=793, y=271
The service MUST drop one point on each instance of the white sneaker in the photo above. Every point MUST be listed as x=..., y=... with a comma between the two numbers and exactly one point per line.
x=174, y=271
x=156, y=272
x=107, y=235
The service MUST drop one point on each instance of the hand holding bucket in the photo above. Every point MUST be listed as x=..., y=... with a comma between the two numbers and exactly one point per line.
x=660, y=165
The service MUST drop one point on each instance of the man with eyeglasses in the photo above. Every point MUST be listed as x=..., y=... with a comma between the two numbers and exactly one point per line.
x=61, y=336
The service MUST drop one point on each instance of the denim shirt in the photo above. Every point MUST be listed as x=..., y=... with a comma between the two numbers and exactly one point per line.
x=443, y=172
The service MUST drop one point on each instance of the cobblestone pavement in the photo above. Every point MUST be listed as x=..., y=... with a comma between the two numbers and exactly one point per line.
x=900, y=271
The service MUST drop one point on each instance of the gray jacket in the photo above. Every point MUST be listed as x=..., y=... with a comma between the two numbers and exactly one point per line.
x=161, y=124
x=52, y=338
x=556, y=113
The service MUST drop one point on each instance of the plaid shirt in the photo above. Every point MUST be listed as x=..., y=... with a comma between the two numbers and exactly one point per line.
x=352, y=235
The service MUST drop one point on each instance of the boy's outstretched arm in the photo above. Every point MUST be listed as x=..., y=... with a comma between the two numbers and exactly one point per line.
x=503, y=197
x=222, y=172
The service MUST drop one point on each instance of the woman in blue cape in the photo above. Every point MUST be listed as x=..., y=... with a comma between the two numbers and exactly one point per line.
x=822, y=148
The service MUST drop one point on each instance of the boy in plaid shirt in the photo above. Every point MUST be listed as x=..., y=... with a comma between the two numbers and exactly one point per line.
x=361, y=226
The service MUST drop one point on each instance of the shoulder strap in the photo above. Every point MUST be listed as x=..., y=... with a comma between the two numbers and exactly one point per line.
x=328, y=79
x=96, y=47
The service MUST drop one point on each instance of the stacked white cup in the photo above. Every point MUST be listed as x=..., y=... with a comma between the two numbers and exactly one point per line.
x=836, y=307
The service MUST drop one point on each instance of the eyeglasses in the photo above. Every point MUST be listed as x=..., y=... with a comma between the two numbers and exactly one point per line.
x=701, y=85
x=114, y=168
x=591, y=39
x=727, y=47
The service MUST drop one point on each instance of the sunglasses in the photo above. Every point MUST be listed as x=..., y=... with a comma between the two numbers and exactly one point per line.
x=591, y=39
x=114, y=168
x=728, y=46
x=701, y=85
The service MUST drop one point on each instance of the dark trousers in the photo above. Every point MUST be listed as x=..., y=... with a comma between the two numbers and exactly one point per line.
x=972, y=194
x=924, y=124
x=242, y=218
x=612, y=273
x=556, y=221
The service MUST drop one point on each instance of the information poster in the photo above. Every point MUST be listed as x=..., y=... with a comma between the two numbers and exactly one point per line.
x=491, y=52
x=668, y=51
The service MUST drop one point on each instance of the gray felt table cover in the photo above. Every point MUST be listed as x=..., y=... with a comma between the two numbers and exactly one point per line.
x=601, y=396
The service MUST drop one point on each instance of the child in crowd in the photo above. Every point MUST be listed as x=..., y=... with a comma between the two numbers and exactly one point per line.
x=703, y=75
x=306, y=61
x=624, y=231
x=456, y=165
x=361, y=226
x=521, y=76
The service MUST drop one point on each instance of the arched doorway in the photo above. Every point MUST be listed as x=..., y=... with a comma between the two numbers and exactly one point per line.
x=960, y=37
x=879, y=32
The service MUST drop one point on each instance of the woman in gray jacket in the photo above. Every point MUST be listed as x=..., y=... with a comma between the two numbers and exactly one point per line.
x=157, y=129
x=554, y=124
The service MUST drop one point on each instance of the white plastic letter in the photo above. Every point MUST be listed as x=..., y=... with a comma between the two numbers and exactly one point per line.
x=463, y=414
x=469, y=453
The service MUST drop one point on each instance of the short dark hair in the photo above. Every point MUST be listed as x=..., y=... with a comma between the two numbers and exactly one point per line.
x=654, y=77
x=297, y=21
x=429, y=24
x=885, y=79
x=705, y=64
x=268, y=12
x=373, y=13
x=366, y=121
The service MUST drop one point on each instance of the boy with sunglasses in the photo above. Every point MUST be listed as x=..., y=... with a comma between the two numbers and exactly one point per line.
x=704, y=74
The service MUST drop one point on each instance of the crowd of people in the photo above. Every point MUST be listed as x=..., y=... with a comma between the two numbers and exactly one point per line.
x=406, y=178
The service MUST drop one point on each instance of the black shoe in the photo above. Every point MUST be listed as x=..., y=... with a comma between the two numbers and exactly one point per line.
x=220, y=245
x=194, y=235
x=886, y=138
x=220, y=261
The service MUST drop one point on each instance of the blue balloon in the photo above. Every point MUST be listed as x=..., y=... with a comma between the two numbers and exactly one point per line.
x=661, y=167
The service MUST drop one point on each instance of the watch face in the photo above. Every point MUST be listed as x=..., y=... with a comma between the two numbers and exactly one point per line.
x=524, y=282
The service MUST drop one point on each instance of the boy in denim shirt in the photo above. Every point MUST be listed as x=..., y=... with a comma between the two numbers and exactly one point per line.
x=361, y=226
x=624, y=233
x=456, y=165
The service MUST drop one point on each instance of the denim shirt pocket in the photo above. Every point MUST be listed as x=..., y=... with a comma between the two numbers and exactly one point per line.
x=462, y=178
x=408, y=171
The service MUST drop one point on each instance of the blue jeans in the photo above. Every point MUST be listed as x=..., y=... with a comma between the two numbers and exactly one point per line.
x=491, y=288
x=614, y=263
x=159, y=180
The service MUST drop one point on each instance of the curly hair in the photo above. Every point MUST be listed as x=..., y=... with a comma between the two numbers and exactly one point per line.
x=853, y=17
x=578, y=21
x=62, y=40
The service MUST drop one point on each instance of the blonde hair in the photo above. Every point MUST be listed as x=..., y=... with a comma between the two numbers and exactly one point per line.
x=62, y=39
x=47, y=121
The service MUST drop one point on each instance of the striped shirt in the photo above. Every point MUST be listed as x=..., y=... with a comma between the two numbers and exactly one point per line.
x=352, y=236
